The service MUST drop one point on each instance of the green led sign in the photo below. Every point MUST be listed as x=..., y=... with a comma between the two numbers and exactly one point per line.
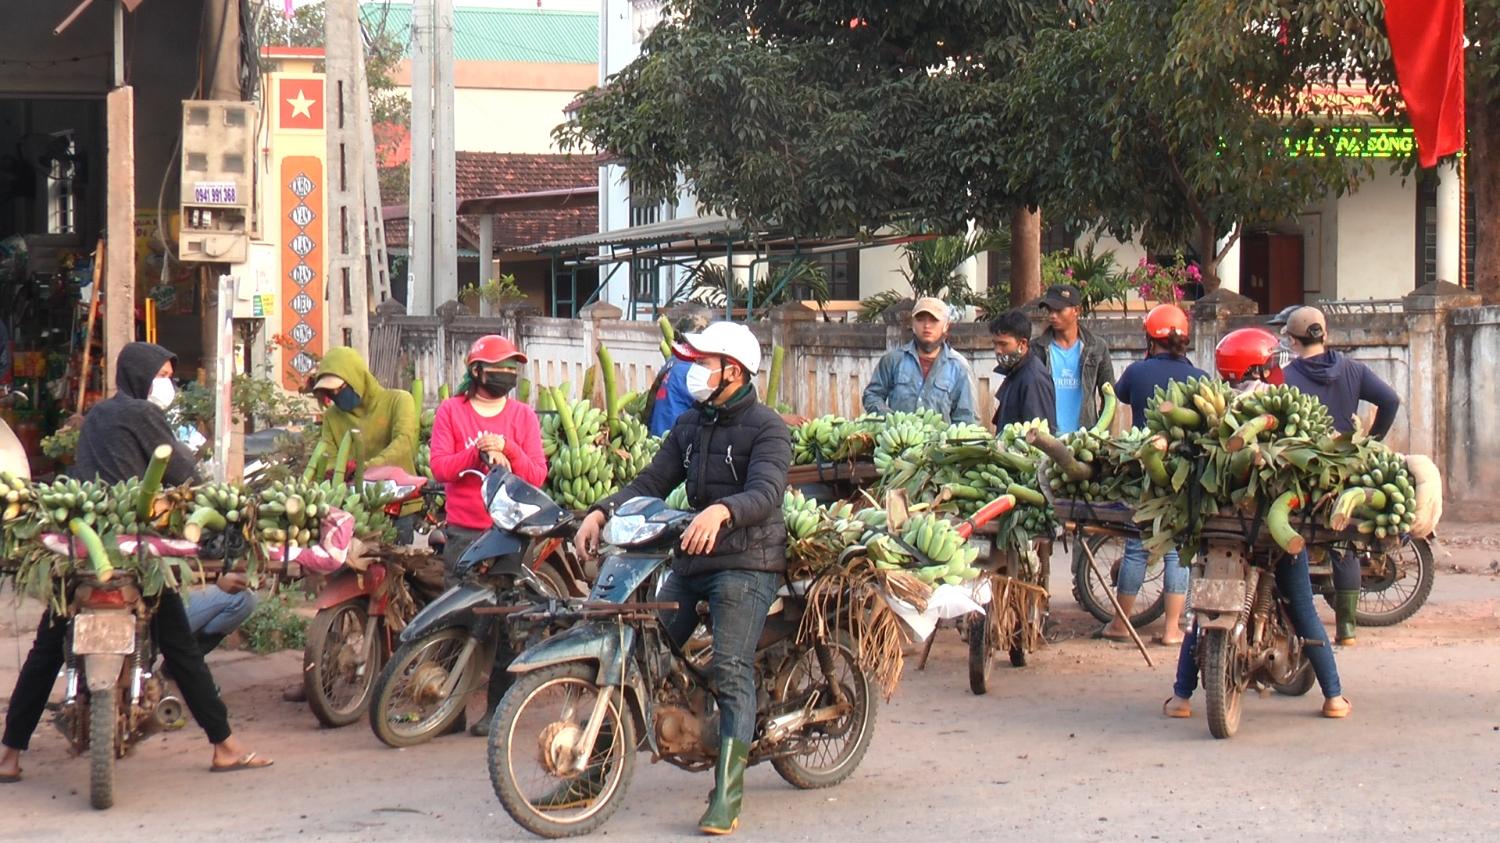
x=1355, y=142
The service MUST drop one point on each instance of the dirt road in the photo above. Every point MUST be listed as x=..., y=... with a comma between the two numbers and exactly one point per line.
x=1072, y=747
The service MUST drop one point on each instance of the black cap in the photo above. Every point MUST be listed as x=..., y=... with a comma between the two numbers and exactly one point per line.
x=1281, y=318
x=1060, y=296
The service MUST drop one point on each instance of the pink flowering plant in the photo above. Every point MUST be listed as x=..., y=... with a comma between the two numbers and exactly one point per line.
x=1164, y=283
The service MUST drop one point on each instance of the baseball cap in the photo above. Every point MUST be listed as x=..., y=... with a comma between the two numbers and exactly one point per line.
x=1282, y=315
x=332, y=383
x=1060, y=296
x=1306, y=323
x=932, y=306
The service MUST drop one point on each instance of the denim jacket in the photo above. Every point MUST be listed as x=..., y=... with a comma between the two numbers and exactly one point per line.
x=898, y=385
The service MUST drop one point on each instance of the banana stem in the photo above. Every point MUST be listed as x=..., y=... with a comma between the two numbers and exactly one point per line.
x=202, y=519
x=151, y=482
x=319, y=452
x=1180, y=416
x=1025, y=495
x=1156, y=467
x=94, y=548
x=1059, y=453
x=418, y=395
x=611, y=388
x=1250, y=430
x=773, y=382
x=565, y=416
x=1106, y=411
x=1279, y=522
x=341, y=462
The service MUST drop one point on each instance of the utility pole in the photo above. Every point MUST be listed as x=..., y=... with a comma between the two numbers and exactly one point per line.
x=445, y=187
x=346, y=110
x=419, y=290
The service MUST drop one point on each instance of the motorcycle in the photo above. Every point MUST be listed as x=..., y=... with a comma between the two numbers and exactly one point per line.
x=358, y=615
x=114, y=695
x=450, y=645
x=563, y=741
x=1245, y=636
x=1395, y=578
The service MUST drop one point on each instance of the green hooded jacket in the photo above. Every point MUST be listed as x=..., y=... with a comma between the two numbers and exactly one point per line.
x=385, y=418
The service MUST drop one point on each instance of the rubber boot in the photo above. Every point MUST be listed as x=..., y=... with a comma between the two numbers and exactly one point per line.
x=1344, y=605
x=723, y=814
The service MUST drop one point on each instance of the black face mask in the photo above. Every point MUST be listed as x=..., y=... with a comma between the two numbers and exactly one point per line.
x=496, y=385
x=346, y=398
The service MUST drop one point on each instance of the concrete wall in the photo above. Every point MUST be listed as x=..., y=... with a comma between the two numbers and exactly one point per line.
x=1376, y=241
x=1471, y=470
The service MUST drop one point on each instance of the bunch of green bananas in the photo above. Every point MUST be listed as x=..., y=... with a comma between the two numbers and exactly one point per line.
x=428, y=417
x=678, y=499
x=424, y=461
x=15, y=496
x=631, y=447
x=903, y=437
x=578, y=477
x=802, y=514
x=1382, y=496
x=1279, y=412
x=938, y=540
x=1068, y=483
x=366, y=505
x=215, y=507
x=1184, y=411
x=817, y=440
x=66, y=498
x=291, y=512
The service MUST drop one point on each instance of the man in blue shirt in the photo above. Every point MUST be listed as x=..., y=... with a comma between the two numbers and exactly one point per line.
x=925, y=373
x=668, y=397
x=1166, y=361
x=1077, y=359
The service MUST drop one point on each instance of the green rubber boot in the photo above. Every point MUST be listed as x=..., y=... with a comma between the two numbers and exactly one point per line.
x=1344, y=605
x=723, y=814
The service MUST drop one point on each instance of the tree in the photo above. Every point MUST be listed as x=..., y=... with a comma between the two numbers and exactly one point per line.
x=385, y=48
x=1169, y=122
x=826, y=117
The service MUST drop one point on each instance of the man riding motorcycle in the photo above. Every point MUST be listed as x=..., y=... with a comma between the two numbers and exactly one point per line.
x=734, y=453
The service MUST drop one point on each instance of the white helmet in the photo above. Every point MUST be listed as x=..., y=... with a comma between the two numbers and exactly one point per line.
x=727, y=339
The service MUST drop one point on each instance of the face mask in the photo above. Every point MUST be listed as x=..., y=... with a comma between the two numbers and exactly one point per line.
x=497, y=384
x=346, y=399
x=697, y=383
x=162, y=392
x=1009, y=361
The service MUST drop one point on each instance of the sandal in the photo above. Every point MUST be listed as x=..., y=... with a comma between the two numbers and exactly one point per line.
x=1337, y=713
x=248, y=761
x=10, y=778
x=1104, y=635
x=1180, y=713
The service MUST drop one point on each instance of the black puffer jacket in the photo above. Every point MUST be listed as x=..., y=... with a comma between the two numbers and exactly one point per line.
x=120, y=433
x=736, y=455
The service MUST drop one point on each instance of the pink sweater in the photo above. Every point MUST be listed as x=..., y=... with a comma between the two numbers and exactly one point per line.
x=454, y=432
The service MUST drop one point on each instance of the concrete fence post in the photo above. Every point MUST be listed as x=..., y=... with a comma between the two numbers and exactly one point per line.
x=1427, y=324
x=1211, y=315
x=787, y=323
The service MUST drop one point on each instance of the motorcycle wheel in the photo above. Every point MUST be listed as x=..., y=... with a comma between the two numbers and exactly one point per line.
x=339, y=665
x=103, y=720
x=981, y=648
x=541, y=713
x=832, y=750
x=407, y=708
x=1093, y=595
x=1301, y=683
x=1223, y=686
x=1389, y=600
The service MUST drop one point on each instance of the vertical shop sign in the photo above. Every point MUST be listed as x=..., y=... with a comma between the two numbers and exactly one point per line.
x=302, y=266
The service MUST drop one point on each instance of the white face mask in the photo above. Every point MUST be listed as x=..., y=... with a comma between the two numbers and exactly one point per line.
x=697, y=381
x=162, y=393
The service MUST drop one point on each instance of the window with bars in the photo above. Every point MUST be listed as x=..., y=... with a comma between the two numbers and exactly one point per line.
x=645, y=273
x=1427, y=188
x=841, y=269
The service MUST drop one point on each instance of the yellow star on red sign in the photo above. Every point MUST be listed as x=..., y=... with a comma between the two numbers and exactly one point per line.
x=301, y=105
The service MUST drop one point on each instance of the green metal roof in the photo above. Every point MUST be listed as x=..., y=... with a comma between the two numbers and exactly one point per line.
x=511, y=35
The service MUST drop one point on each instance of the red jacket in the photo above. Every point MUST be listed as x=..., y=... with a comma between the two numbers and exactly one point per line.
x=454, y=432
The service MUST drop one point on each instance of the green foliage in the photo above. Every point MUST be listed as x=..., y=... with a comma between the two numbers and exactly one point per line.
x=818, y=116
x=496, y=291
x=1095, y=274
x=780, y=283
x=275, y=624
x=258, y=398
x=63, y=443
x=1168, y=120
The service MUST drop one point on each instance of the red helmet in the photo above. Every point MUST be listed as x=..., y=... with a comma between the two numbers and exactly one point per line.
x=1246, y=353
x=493, y=349
x=1165, y=320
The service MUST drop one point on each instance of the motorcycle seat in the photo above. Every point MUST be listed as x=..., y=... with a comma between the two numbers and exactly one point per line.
x=395, y=474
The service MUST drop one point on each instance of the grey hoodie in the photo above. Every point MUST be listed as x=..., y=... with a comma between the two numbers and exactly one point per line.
x=120, y=433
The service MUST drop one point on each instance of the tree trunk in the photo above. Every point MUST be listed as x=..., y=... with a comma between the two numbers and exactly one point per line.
x=1483, y=171
x=1025, y=255
x=1208, y=251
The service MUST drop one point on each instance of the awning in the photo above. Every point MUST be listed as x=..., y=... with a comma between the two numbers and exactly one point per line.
x=710, y=228
x=539, y=200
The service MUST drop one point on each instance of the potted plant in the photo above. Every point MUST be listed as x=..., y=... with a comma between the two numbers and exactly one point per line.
x=1164, y=284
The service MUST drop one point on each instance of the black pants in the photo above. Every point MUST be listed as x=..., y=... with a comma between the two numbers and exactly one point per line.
x=459, y=540
x=174, y=636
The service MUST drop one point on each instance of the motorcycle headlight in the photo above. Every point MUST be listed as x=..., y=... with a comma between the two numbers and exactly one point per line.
x=507, y=512
x=631, y=531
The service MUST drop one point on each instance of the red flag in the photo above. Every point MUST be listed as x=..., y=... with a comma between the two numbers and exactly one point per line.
x=1427, y=43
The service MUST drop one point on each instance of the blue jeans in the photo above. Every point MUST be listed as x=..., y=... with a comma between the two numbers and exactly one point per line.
x=1133, y=571
x=1292, y=579
x=214, y=611
x=737, y=606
